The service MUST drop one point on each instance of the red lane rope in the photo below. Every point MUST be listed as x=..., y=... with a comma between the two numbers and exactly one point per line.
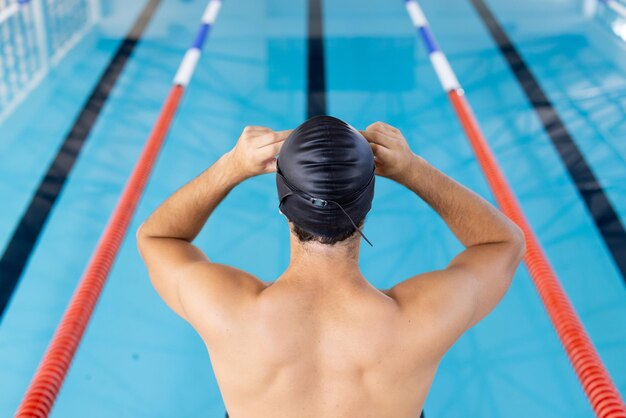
x=46, y=383
x=596, y=382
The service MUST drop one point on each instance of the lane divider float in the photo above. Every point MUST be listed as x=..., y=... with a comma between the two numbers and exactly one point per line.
x=49, y=377
x=592, y=374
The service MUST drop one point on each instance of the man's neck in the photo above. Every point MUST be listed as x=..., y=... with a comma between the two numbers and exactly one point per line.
x=320, y=263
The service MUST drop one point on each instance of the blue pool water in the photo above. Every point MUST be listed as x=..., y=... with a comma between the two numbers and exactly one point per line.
x=137, y=358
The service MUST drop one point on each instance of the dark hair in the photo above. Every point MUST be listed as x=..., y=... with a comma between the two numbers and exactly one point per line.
x=338, y=235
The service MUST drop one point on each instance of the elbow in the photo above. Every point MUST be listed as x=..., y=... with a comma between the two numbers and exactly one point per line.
x=141, y=237
x=140, y=234
x=518, y=242
x=515, y=253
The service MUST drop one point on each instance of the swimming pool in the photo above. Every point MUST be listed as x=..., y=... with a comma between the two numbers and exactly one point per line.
x=137, y=359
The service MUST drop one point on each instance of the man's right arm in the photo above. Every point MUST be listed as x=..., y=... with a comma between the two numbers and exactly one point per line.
x=476, y=279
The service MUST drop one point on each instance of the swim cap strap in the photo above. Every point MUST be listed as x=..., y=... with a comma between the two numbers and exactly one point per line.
x=319, y=202
x=351, y=221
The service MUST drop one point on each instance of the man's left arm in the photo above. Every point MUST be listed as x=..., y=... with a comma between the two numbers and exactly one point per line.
x=180, y=272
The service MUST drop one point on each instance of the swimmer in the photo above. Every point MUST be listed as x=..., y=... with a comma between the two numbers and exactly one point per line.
x=320, y=341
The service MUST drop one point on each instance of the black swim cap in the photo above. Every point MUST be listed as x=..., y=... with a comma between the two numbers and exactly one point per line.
x=325, y=176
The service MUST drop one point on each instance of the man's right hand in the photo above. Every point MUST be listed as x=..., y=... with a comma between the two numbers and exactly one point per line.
x=393, y=156
x=256, y=150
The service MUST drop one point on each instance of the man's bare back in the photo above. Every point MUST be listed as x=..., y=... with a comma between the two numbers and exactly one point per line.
x=320, y=341
x=330, y=351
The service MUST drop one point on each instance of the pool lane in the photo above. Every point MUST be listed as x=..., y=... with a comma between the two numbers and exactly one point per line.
x=580, y=63
x=25, y=235
x=77, y=221
x=31, y=135
x=581, y=66
x=138, y=359
x=599, y=206
x=511, y=364
x=513, y=357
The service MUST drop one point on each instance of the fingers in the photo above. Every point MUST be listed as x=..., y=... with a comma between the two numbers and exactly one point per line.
x=271, y=138
x=268, y=155
x=255, y=129
x=379, y=138
x=383, y=127
x=381, y=153
x=271, y=150
x=286, y=132
x=270, y=166
x=250, y=133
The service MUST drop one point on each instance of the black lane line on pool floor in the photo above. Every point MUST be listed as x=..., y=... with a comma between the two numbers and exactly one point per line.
x=589, y=188
x=28, y=230
x=316, y=68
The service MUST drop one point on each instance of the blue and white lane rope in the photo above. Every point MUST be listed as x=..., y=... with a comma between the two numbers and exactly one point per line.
x=616, y=6
x=439, y=61
x=192, y=56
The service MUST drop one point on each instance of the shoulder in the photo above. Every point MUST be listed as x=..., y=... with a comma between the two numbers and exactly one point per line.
x=214, y=294
x=436, y=306
x=426, y=292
